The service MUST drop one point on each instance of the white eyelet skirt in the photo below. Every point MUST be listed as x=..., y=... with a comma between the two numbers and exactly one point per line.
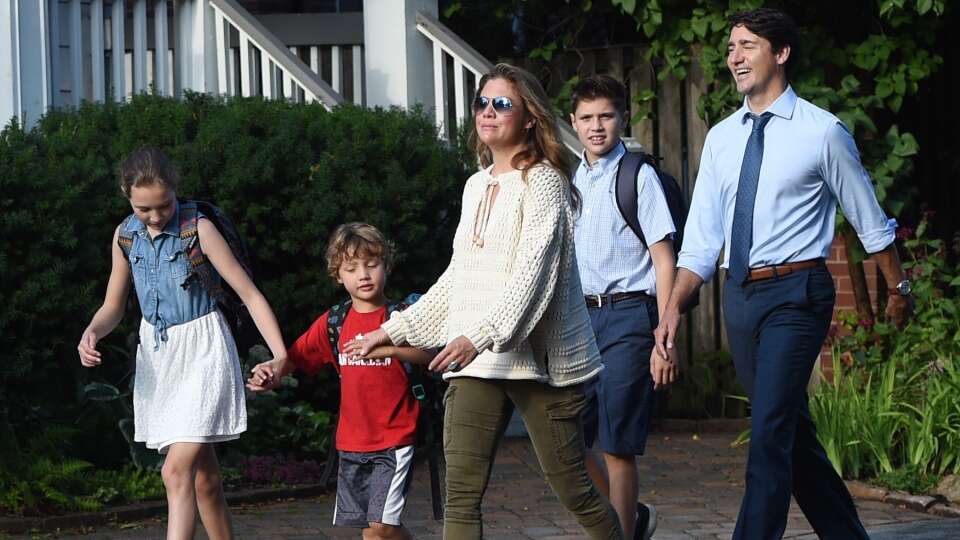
x=191, y=388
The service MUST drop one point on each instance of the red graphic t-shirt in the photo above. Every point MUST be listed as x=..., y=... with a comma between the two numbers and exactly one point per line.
x=377, y=408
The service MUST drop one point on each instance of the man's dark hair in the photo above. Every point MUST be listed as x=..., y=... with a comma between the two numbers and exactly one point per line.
x=600, y=86
x=773, y=25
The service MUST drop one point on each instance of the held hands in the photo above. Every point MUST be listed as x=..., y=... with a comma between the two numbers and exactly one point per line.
x=363, y=345
x=664, y=335
x=89, y=355
x=663, y=370
x=268, y=375
x=455, y=356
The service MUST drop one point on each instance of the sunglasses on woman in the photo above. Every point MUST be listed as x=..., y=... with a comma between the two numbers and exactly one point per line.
x=501, y=104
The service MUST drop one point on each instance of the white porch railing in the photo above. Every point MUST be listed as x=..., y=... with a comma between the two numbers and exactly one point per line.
x=216, y=46
x=466, y=62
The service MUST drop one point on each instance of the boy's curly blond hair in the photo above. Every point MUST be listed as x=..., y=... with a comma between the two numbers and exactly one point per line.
x=355, y=239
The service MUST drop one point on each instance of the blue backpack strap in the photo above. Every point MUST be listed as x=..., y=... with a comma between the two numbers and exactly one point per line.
x=626, y=190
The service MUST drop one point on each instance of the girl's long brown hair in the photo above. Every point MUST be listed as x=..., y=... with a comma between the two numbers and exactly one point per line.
x=542, y=139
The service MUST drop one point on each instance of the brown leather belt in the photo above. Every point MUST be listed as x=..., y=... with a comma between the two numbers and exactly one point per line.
x=600, y=300
x=780, y=270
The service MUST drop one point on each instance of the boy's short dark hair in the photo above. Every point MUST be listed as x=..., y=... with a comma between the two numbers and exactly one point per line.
x=356, y=239
x=600, y=86
x=773, y=25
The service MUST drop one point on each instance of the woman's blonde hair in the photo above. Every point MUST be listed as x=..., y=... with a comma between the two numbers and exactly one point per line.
x=355, y=239
x=542, y=139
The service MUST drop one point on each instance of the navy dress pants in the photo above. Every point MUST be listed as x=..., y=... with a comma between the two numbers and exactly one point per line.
x=776, y=328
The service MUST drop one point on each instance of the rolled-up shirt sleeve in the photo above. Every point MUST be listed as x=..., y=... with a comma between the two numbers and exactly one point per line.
x=703, y=232
x=848, y=180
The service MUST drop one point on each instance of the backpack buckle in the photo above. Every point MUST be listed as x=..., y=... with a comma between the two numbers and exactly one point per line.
x=419, y=392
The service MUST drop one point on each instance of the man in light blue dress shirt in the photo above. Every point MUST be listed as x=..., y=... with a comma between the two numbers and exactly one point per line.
x=622, y=280
x=770, y=178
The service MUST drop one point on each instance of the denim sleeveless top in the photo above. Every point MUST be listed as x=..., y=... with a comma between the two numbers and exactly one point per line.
x=160, y=268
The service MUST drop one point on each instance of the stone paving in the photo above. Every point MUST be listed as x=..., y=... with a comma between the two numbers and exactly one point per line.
x=695, y=482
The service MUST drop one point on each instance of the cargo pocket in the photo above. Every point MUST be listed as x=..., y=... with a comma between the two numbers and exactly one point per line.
x=448, y=398
x=566, y=427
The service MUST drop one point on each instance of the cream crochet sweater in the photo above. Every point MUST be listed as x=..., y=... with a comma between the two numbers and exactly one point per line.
x=516, y=297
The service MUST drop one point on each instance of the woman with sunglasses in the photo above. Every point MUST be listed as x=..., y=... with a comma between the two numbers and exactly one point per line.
x=509, y=312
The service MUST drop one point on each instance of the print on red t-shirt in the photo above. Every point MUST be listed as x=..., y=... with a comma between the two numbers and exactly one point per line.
x=377, y=409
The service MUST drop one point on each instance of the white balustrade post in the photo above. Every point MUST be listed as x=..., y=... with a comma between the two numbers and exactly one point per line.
x=358, y=74
x=25, y=58
x=76, y=53
x=459, y=93
x=336, y=69
x=9, y=62
x=440, y=89
x=222, y=48
x=244, y=65
x=98, y=75
x=198, y=60
x=398, y=59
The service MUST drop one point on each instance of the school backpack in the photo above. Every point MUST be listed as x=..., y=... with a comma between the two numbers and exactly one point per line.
x=626, y=196
x=202, y=271
x=425, y=388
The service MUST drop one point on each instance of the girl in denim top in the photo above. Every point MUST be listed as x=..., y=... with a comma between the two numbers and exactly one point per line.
x=188, y=389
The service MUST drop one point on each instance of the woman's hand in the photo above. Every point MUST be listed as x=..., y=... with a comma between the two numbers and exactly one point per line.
x=363, y=344
x=455, y=356
x=89, y=355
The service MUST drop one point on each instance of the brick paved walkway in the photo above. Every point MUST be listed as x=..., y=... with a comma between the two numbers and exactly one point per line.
x=695, y=482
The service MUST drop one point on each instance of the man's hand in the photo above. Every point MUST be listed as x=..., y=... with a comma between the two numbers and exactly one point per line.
x=665, y=333
x=663, y=370
x=899, y=309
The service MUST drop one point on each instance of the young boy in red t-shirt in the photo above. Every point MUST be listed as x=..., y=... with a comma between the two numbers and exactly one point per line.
x=376, y=432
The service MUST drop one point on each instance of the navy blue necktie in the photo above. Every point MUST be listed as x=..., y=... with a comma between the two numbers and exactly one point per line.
x=741, y=233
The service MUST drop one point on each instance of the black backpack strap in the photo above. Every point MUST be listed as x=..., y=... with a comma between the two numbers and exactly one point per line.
x=626, y=191
x=335, y=318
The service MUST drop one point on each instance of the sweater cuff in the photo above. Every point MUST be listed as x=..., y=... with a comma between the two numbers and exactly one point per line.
x=396, y=329
x=480, y=340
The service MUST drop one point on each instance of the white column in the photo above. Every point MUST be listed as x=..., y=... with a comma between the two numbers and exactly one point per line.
x=76, y=53
x=398, y=58
x=139, y=46
x=9, y=62
x=96, y=50
x=161, y=40
x=118, y=51
x=33, y=51
x=198, y=61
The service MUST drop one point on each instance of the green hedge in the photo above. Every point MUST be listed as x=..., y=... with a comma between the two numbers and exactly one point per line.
x=287, y=174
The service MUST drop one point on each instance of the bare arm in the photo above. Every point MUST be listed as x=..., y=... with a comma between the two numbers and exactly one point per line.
x=111, y=312
x=685, y=285
x=663, y=369
x=412, y=355
x=217, y=250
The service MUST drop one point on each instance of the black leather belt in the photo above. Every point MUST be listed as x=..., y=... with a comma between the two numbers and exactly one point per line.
x=600, y=300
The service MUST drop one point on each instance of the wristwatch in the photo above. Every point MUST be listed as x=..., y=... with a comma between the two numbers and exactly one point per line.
x=903, y=288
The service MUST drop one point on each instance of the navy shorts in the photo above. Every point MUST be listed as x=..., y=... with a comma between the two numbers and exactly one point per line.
x=620, y=399
x=372, y=487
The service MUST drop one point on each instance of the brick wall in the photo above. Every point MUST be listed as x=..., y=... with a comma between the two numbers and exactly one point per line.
x=837, y=264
